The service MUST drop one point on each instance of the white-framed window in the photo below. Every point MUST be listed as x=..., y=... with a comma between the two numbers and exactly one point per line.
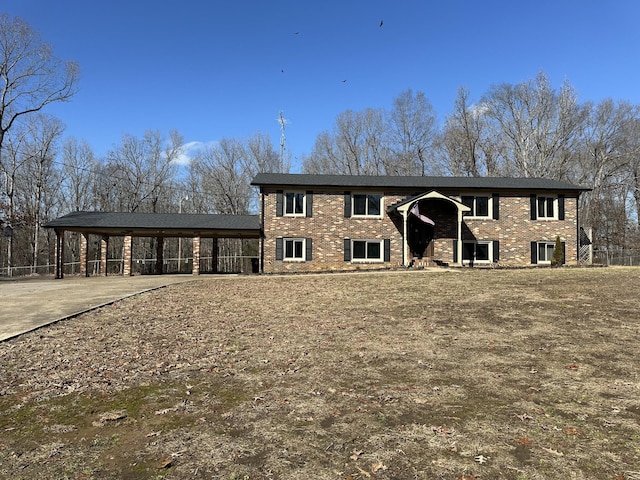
x=478, y=252
x=367, y=250
x=547, y=207
x=480, y=205
x=294, y=204
x=545, y=252
x=366, y=205
x=294, y=249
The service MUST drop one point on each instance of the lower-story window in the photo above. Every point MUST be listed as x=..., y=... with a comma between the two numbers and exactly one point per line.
x=293, y=249
x=480, y=252
x=542, y=252
x=367, y=250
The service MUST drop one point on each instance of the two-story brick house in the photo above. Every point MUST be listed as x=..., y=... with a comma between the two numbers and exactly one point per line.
x=348, y=222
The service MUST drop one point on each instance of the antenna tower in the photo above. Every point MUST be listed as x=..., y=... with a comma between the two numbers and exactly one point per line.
x=282, y=121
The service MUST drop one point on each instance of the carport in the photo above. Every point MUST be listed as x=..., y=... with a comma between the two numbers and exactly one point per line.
x=158, y=225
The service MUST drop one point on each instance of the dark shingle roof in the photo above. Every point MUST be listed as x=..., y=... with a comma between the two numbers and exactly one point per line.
x=415, y=182
x=166, y=224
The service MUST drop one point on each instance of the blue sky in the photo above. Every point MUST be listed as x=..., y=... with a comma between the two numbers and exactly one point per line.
x=213, y=69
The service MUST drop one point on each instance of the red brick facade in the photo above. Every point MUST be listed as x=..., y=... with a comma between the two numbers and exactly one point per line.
x=509, y=236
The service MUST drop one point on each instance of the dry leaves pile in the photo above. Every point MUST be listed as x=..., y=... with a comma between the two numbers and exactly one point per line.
x=467, y=374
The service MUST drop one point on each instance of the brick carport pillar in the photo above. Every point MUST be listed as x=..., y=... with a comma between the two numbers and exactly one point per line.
x=126, y=257
x=60, y=254
x=196, y=256
x=84, y=254
x=104, y=249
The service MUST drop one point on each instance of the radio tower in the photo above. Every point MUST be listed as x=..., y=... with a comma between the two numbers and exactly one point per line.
x=282, y=121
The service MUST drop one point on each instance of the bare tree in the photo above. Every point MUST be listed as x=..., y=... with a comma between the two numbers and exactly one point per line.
x=40, y=180
x=223, y=175
x=467, y=144
x=634, y=168
x=538, y=127
x=412, y=132
x=605, y=163
x=261, y=157
x=78, y=176
x=141, y=170
x=12, y=168
x=30, y=76
x=356, y=147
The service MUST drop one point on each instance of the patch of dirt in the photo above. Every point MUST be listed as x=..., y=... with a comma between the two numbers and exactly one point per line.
x=513, y=374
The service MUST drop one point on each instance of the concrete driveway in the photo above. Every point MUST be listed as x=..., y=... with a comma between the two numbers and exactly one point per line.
x=32, y=303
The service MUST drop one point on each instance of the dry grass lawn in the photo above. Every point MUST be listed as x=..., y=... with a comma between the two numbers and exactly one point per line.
x=464, y=374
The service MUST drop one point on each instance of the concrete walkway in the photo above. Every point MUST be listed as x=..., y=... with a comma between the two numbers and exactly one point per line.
x=27, y=304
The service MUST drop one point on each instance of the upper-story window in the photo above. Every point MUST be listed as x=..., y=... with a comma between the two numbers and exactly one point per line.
x=294, y=204
x=366, y=205
x=547, y=207
x=480, y=205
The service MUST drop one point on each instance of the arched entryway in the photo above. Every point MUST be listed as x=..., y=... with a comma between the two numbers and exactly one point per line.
x=431, y=224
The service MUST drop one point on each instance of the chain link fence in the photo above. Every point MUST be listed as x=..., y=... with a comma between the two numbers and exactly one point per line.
x=630, y=258
x=143, y=266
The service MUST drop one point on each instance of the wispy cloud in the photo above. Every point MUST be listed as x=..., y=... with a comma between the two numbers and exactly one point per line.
x=190, y=150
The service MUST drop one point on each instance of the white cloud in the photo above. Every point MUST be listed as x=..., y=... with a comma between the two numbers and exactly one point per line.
x=189, y=150
x=479, y=109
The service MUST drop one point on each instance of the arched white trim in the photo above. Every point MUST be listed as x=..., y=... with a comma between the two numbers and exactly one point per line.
x=404, y=207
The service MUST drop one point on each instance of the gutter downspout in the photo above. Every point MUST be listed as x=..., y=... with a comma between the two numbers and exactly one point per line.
x=262, y=234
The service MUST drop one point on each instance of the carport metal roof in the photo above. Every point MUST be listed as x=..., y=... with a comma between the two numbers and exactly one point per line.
x=159, y=224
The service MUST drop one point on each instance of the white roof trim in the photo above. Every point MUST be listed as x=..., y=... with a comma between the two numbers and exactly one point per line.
x=432, y=194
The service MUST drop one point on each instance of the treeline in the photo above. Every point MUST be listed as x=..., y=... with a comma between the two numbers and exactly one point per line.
x=523, y=130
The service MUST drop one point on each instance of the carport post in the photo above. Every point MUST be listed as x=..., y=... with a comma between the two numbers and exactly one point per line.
x=104, y=244
x=84, y=255
x=159, y=255
x=195, y=270
x=214, y=255
x=126, y=268
x=59, y=254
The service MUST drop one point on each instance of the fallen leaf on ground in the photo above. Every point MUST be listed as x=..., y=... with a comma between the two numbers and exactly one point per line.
x=442, y=430
x=378, y=466
x=553, y=452
x=524, y=441
x=363, y=472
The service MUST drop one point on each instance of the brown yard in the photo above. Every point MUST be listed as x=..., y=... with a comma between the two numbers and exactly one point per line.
x=467, y=374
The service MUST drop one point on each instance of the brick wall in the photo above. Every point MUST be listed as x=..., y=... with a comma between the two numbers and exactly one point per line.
x=515, y=230
x=328, y=228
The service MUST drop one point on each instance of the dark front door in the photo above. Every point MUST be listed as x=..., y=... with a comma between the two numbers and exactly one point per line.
x=420, y=235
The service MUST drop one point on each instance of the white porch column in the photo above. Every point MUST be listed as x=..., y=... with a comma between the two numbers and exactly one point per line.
x=459, y=242
x=405, y=240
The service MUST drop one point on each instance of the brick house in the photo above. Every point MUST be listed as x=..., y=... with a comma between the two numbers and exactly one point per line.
x=348, y=222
